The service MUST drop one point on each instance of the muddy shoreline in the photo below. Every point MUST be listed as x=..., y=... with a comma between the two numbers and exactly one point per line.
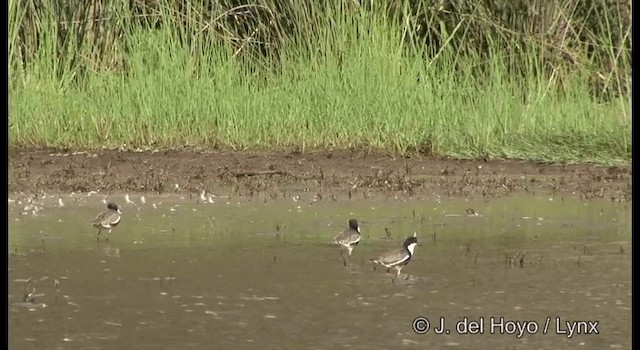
x=326, y=173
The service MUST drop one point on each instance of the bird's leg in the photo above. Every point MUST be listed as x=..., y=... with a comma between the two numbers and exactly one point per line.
x=348, y=261
x=396, y=275
x=342, y=256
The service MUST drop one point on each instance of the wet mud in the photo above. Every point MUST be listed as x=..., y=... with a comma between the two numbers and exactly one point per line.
x=331, y=174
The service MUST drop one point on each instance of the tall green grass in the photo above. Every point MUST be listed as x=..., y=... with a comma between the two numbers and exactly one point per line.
x=338, y=77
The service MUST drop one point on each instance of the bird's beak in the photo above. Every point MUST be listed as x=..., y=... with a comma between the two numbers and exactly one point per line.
x=119, y=212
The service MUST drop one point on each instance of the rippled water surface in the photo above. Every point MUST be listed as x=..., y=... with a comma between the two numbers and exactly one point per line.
x=182, y=273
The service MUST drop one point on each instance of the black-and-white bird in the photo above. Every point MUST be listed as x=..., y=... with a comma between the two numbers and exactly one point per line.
x=398, y=258
x=349, y=238
x=108, y=219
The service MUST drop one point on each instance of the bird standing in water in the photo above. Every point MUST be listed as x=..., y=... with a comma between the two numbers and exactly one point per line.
x=108, y=219
x=349, y=238
x=398, y=258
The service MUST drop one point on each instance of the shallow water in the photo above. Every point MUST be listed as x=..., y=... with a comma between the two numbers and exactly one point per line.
x=182, y=273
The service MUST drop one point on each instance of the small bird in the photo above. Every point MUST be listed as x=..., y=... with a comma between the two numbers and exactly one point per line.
x=108, y=219
x=397, y=258
x=349, y=238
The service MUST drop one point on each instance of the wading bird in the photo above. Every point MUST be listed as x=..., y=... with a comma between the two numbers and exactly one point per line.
x=108, y=219
x=398, y=258
x=349, y=238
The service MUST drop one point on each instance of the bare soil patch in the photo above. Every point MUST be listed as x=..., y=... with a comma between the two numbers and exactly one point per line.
x=325, y=173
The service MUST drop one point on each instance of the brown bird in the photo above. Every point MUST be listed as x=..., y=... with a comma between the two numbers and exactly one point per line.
x=398, y=258
x=349, y=238
x=108, y=219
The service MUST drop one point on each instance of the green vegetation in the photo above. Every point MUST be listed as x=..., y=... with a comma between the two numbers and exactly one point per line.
x=526, y=80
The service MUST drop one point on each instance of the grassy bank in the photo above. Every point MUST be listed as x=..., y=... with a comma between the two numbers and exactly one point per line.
x=343, y=77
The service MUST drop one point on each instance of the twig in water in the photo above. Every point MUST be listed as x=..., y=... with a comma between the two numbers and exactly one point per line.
x=257, y=173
